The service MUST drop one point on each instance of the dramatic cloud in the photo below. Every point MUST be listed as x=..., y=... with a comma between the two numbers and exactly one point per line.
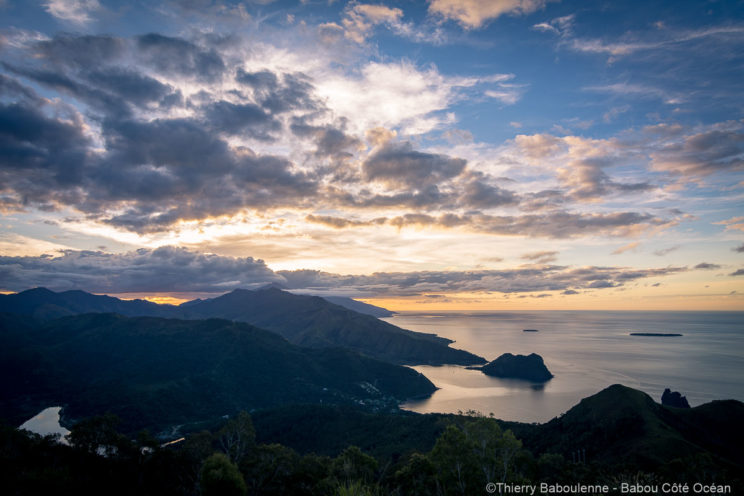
x=42, y=158
x=739, y=272
x=171, y=269
x=739, y=249
x=161, y=270
x=474, y=13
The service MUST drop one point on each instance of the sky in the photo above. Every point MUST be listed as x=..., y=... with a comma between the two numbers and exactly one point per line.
x=420, y=155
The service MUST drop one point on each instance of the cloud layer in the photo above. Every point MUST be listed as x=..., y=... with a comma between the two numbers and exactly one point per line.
x=170, y=269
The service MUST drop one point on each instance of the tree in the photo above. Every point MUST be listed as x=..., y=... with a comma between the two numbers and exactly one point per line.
x=453, y=458
x=98, y=435
x=237, y=437
x=468, y=458
x=221, y=477
x=418, y=477
x=354, y=465
x=270, y=469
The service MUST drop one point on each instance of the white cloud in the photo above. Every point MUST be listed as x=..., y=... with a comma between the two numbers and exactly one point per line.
x=75, y=11
x=400, y=95
x=475, y=13
x=638, y=91
x=508, y=96
x=360, y=19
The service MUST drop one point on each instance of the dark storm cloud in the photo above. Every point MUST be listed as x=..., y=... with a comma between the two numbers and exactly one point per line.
x=739, y=272
x=160, y=270
x=398, y=164
x=178, y=56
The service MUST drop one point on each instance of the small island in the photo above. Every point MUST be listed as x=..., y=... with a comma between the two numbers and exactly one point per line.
x=528, y=367
x=530, y=330
x=655, y=334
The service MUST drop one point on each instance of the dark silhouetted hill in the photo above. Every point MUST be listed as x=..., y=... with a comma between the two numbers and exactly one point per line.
x=623, y=425
x=316, y=323
x=156, y=373
x=43, y=304
x=308, y=321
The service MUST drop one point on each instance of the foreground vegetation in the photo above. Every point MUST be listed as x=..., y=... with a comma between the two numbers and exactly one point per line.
x=413, y=455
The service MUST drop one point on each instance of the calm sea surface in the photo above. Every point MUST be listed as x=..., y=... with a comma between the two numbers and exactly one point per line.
x=586, y=351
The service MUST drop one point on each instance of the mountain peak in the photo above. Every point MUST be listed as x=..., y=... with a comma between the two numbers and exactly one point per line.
x=40, y=291
x=273, y=286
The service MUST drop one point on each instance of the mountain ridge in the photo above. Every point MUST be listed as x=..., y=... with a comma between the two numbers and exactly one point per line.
x=309, y=321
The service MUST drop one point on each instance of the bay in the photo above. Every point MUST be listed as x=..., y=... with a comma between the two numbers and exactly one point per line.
x=587, y=351
x=46, y=422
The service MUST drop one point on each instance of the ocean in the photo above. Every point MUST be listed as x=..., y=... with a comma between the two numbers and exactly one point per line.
x=587, y=351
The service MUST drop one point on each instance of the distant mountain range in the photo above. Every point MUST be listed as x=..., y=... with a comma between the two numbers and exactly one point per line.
x=156, y=373
x=308, y=321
